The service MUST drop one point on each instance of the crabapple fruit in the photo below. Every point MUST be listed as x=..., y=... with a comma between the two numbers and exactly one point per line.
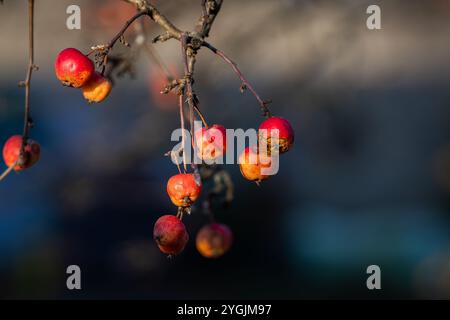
x=211, y=142
x=73, y=68
x=251, y=163
x=184, y=189
x=214, y=240
x=286, y=133
x=97, y=88
x=170, y=234
x=11, y=152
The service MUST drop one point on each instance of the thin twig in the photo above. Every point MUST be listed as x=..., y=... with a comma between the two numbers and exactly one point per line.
x=183, y=135
x=8, y=170
x=124, y=28
x=201, y=116
x=156, y=59
x=27, y=83
x=143, y=5
x=245, y=84
x=189, y=62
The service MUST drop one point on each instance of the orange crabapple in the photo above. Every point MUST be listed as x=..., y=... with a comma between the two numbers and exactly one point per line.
x=214, y=240
x=184, y=189
x=251, y=163
x=97, y=88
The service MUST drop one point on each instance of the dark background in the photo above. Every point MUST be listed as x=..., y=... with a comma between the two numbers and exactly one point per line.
x=367, y=182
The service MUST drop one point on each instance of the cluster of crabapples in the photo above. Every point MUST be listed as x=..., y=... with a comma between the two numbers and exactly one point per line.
x=74, y=69
x=213, y=240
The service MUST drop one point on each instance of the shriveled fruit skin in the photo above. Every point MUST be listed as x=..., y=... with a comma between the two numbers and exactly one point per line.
x=251, y=163
x=183, y=189
x=170, y=234
x=285, y=132
x=211, y=142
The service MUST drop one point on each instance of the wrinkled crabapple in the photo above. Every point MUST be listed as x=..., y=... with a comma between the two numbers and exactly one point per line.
x=184, y=189
x=251, y=161
x=214, y=240
x=11, y=152
x=170, y=234
x=286, y=133
x=211, y=142
x=73, y=68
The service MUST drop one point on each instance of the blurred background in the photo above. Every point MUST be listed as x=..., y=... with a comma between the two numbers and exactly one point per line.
x=367, y=182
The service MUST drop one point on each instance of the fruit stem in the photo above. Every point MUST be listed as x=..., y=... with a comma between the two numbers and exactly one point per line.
x=125, y=27
x=8, y=170
x=201, y=116
x=245, y=84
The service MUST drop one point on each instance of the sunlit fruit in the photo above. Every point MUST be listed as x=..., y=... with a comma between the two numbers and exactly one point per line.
x=252, y=162
x=285, y=133
x=73, y=68
x=11, y=152
x=184, y=189
x=97, y=88
x=211, y=142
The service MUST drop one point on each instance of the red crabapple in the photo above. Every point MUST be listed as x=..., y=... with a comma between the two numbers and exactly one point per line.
x=214, y=240
x=211, y=142
x=183, y=189
x=73, y=68
x=251, y=161
x=170, y=234
x=286, y=133
x=97, y=88
x=11, y=152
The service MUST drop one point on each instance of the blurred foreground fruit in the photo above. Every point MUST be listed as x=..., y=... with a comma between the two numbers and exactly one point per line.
x=211, y=142
x=251, y=163
x=214, y=240
x=156, y=83
x=97, y=88
x=11, y=152
x=73, y=68
x=286, y=133
x=183, y=189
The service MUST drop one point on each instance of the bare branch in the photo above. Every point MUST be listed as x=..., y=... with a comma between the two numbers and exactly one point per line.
x=210, y=9
x=183, y=135
x=155, y=15
x=27, y=122
x=245, y=84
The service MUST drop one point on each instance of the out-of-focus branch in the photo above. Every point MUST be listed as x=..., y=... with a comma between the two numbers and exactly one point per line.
x=210, y=9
